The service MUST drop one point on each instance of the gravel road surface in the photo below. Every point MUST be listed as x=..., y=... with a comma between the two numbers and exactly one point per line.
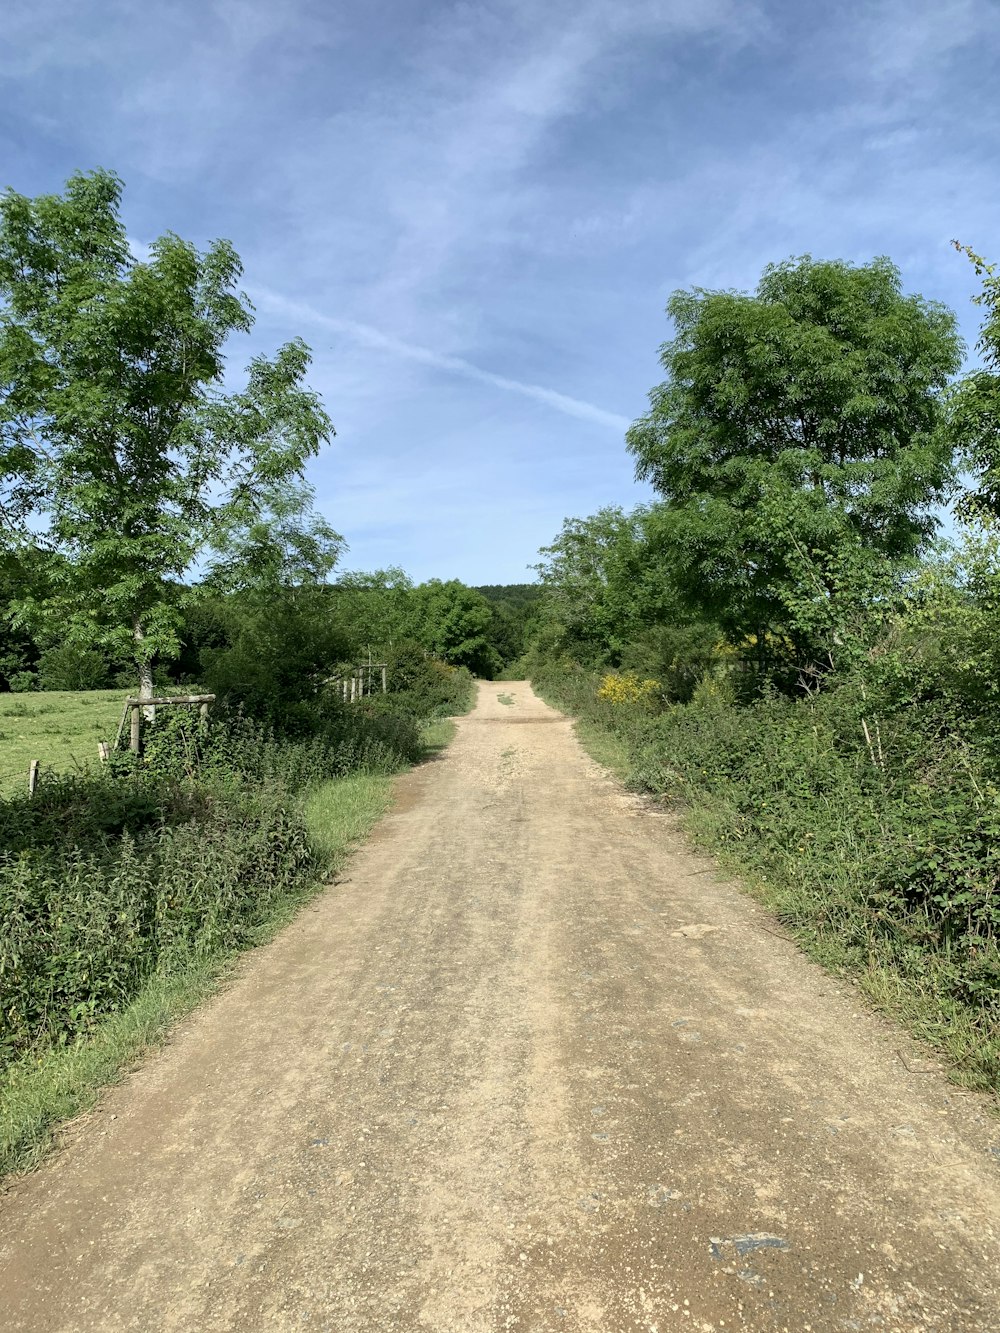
x=530, y=1066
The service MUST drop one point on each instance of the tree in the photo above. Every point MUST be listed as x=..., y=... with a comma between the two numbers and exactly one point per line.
x=976, y=402
x=453, y=621
x=373, y=608
x=517, y=608
x=604, y=583
x=119, y=448
x=799, y=441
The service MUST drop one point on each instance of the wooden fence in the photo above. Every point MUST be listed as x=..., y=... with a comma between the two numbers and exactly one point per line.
x=136, y=710
x=357, y=681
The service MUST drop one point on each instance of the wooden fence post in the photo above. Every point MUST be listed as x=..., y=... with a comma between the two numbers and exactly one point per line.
x=32, y=777
x=102, y=751
x=135, y=730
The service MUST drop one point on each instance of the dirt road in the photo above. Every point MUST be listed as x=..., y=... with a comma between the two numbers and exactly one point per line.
x=530, y=1067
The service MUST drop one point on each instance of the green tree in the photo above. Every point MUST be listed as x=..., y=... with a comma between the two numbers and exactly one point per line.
x=603, y=584
x=799, y=443
x=976, y=402
x=372, y=609
x=453, y=621
x=119, y=448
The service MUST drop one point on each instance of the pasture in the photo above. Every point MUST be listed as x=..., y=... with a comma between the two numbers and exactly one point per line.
x=59, y=728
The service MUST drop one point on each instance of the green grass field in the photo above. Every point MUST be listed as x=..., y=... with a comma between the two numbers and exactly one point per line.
x=59, y=728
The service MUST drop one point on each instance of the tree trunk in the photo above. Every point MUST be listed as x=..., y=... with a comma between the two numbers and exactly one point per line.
x=145, y=669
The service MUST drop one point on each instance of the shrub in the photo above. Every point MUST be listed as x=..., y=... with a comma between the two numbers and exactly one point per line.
x=627, y=688
x=107, y=878
x=70, y=667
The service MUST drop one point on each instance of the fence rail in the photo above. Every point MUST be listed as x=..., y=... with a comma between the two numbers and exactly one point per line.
x=357, y=681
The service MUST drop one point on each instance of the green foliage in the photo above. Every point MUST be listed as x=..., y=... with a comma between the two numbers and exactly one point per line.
x=603, y=585
x=378, y=611
x=372, y=610
x=454, y=622
x=421, y=686
x=517, y=613
x=270, y=651
x=976, y=402
x=799, y=441
x=72, y=666
x=117, y=443
x=86, y=922
x=143, y=867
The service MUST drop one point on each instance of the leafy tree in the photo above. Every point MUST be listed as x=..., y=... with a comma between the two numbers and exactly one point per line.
x=69, y=666
x=604, y=583
x=976, y=404
x=517, y=610
x=118, y=447
x=273, y=653
x=799, y=443
x=453, y=621
x=373, y=609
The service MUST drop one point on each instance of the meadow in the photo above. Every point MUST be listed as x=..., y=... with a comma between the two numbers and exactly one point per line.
x=59, y=728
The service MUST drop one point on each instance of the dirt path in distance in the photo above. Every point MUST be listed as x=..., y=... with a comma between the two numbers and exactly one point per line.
x=531, y=1067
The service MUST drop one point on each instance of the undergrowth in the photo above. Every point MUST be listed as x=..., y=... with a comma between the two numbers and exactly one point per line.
x=872, y=833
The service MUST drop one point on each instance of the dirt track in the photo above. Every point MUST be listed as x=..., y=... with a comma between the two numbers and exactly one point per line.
x=530, y=1067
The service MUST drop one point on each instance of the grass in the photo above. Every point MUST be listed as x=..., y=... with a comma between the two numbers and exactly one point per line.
x=42, y=1093
x=603, y=746
x=437, y=734
x=60, y=728
x=507, y=699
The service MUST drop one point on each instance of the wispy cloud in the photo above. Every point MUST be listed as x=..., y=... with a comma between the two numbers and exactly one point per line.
x=426, y=356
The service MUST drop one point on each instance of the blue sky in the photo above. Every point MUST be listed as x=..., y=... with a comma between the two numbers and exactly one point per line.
x=474, y=212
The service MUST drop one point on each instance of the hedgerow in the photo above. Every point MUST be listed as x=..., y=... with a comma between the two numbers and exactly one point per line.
x=107, y=878
x=875, y=830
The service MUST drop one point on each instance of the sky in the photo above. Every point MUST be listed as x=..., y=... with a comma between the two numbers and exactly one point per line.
x=474, y=212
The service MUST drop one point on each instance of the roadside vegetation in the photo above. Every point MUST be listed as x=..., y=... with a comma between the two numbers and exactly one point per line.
x=159, y=537
x=779, y=647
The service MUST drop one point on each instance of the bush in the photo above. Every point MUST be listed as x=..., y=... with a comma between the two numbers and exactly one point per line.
x=71, y=667
x=421, y=686
x=102, y=882
x=153, y=862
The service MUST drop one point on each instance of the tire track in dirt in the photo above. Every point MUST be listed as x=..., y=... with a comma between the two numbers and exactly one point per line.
x=495, y=1080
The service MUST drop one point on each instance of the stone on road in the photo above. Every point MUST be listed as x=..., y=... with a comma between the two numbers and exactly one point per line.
x=530, y=1067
